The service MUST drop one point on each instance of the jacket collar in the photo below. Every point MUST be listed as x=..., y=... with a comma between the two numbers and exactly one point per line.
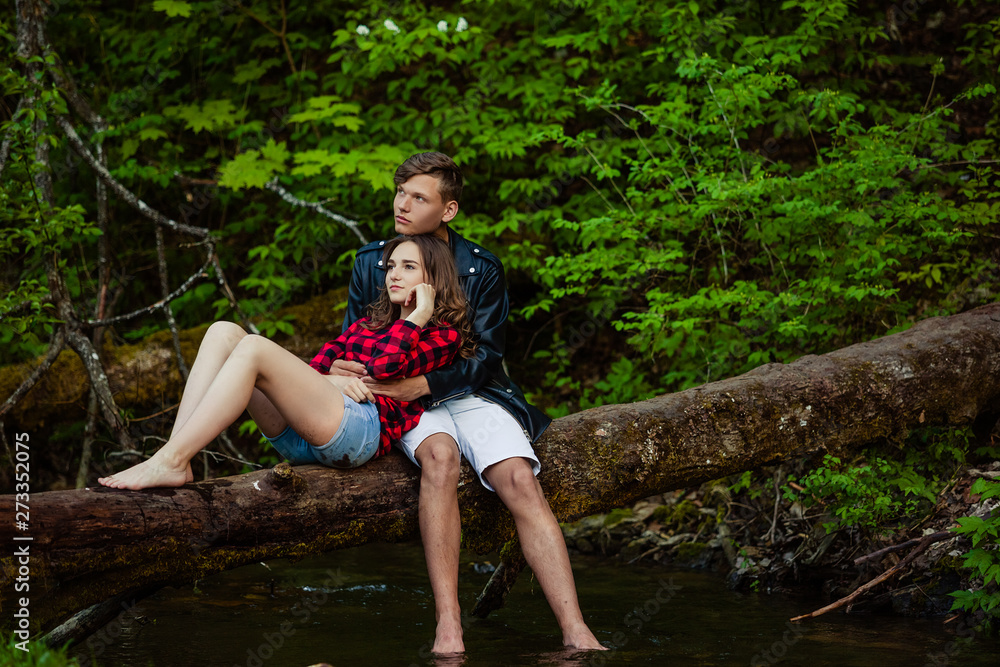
x=460, y=250
x=469, y=257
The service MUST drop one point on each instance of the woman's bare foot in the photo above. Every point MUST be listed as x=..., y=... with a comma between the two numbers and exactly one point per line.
x=448, y=638
x=149, y=474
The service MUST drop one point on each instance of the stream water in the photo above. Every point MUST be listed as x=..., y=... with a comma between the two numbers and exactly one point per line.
x=372, y=606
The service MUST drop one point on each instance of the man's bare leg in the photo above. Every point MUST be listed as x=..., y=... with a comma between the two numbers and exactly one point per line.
x=441, y=533
x=543, y=546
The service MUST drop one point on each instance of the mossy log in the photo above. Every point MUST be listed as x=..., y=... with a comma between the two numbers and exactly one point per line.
x=90, y=545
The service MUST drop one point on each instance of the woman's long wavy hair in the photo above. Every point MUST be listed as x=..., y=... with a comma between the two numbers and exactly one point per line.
x=450, y=305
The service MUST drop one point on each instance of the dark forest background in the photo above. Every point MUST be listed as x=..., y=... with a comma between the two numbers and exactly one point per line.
x=680, y=191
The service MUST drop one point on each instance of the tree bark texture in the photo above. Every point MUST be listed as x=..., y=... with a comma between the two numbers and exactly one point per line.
x=90, y=545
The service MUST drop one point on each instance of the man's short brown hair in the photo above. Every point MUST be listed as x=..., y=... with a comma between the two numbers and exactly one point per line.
x=438, y=165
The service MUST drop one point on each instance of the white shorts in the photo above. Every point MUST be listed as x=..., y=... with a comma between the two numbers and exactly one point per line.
x=485, y=433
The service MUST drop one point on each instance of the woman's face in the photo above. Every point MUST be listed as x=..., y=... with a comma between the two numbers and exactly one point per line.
x=403, y=272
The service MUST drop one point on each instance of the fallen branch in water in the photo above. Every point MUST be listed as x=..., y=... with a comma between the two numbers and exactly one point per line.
x=922, y=544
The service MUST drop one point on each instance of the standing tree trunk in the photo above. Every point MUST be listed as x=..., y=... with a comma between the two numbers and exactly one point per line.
x=45, y=80
x=31, y=43
x=91, y=545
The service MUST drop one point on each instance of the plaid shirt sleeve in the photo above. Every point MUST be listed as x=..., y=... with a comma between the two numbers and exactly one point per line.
x=333, y=350
x=406, y=350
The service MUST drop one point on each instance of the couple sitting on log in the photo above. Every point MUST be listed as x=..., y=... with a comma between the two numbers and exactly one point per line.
x=433, y=336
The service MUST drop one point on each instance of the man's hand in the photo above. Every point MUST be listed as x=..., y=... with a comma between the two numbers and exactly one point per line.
x=351, y=369
x=404, y=389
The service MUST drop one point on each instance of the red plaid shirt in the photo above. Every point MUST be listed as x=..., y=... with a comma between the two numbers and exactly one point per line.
x=400, y=351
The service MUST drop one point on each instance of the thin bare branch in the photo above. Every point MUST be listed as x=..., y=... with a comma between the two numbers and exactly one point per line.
x=315, y=206
x=228, y=292
x=81, y=149
x=282, y=34
x=89, y=435
x=161, y=257
x=56, y=346
x=99, y=384
x=934, y=537
x=193, y=279
x=861, y=590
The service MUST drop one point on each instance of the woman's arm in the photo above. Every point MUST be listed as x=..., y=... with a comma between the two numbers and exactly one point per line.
x=333, y=350
x=405, y=350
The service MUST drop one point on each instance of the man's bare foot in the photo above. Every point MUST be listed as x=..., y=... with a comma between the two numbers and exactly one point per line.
x=448, y=638
x=583, y=639
x=148, y=474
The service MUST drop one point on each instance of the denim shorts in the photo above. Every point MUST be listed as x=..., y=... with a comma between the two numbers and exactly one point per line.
x=356, y=440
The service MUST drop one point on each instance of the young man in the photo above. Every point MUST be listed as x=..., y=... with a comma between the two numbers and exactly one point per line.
x=473, y=410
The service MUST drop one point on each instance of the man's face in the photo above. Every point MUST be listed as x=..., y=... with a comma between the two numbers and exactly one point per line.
x=419, y=208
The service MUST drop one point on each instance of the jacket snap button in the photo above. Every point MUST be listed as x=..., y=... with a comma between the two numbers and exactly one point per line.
x=472, y=270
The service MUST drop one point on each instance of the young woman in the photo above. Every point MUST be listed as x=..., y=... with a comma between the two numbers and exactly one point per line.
x=418, y=324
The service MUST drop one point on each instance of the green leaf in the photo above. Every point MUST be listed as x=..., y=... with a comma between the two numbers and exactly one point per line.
x=211, y=116
x=252, y=169
x=151, y=133
x=254, y=70
x=978, y=559
x=173, y=8
x=327, y=109
x=985, y=488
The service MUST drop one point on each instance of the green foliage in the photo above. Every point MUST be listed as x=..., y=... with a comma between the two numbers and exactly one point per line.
x=718, y=256
x=680, y=191
x=33, y=229
x=36, y=655
x=883, y=490
x=872, y=495
x=746, y=482
x=173, y=8
x=622, y=382
x=253, y=168
x=984, y=558
x=265, y=457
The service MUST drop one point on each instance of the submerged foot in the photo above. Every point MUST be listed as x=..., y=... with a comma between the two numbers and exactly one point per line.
x=448, y=639
x=147, y=475
x=583, y=639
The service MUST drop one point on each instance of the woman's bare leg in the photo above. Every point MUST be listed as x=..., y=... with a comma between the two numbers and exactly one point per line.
x=305, y=399
x=269, y=421
x=219, y=342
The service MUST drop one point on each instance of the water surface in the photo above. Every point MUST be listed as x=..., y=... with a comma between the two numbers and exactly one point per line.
x=372, y=606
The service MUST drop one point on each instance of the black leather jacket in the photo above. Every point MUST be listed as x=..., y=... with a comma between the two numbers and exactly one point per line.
x=481, y=274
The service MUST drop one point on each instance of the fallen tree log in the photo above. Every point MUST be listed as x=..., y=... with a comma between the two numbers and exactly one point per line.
x=87, y=546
